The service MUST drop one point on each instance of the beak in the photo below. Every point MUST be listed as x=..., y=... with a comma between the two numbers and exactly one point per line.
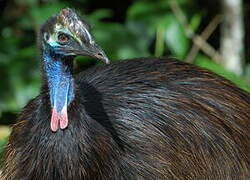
x=93, y=51
x=96, y=52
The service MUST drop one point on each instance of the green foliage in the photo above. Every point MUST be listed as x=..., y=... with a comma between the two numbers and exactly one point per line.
x=4, y=133
x=175, y=37
x=195, y=21
x=40, y=14
x=156, y=21
x=3, y=142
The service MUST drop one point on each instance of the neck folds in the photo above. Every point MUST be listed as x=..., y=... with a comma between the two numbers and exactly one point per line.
x=58, y=71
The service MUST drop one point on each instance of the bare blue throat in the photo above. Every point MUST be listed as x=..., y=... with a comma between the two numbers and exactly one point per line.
x=58, y=70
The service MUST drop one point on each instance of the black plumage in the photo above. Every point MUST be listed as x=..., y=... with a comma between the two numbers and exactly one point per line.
x=145, y=118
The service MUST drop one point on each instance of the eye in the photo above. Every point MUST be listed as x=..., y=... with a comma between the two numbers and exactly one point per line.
x=63, y=38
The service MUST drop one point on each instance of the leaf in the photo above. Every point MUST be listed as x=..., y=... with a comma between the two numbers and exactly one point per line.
x=4, y=132
x=175, y=37
x=145, y=8
x=3, y=142
x=195, y=22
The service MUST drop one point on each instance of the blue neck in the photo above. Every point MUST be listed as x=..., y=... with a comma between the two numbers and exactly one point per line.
x=58, y=72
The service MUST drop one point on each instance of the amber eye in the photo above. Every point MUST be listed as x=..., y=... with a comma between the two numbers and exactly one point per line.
x=63, y=38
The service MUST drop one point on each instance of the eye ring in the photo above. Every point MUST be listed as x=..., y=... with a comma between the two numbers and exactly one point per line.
x=63, y=38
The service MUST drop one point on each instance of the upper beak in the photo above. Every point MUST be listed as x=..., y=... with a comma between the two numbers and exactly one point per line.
x=98, y=53
x=93, y=51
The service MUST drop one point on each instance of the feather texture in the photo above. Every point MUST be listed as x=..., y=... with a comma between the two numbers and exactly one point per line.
x=146, y=118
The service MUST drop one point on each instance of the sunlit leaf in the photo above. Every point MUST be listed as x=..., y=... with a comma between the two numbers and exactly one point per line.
x=175, y=37
x=195, y=22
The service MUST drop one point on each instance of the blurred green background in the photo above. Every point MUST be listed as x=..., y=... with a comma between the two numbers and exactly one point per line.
x=125, y=29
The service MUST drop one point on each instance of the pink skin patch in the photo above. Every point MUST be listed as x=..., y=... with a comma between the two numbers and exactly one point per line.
x=64, y=118
x=59, y=119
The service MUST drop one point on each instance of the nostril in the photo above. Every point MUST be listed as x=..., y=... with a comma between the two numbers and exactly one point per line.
x=100, y=54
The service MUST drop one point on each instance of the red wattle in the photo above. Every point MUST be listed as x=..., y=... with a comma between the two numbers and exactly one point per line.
x=54, y=123
x=59, y=119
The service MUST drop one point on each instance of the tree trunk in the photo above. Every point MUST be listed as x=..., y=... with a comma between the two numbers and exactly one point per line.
x=232, y=38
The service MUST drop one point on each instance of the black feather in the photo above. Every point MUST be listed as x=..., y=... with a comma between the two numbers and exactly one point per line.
x=146, y=118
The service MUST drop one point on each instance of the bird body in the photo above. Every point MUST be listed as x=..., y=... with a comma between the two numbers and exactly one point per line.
x=144, y=118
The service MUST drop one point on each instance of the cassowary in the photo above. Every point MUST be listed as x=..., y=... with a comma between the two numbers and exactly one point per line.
x=137, y=119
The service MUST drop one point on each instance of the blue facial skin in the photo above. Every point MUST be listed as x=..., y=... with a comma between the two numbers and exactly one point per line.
x=58, y=68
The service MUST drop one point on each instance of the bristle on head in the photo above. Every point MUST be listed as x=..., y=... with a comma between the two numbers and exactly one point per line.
x=70, y=19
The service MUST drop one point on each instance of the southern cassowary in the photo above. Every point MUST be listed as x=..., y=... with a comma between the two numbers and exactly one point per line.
x=137, y=119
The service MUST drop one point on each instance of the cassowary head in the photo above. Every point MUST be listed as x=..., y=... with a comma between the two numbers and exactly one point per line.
x=67, y=34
